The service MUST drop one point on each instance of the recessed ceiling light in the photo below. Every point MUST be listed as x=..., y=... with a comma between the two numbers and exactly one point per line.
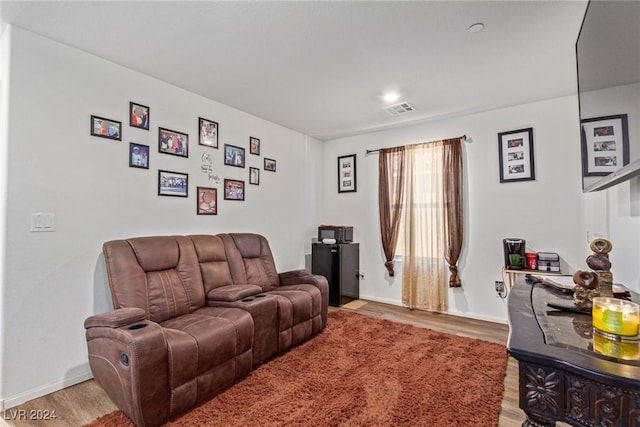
x=391, y=97
x=476, y=28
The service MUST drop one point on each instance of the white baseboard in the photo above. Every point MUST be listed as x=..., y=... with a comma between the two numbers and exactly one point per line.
x=452, y=313
x=43, y=390
x=382, y=300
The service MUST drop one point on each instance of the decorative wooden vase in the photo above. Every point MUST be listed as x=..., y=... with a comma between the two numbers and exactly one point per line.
x=596, y=283
x=599, y=262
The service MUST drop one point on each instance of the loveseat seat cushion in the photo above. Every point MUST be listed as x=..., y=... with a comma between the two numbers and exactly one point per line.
x=208, y=350
x=295, y=314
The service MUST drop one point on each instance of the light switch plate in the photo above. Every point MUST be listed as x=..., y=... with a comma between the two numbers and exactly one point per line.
x=43, y=222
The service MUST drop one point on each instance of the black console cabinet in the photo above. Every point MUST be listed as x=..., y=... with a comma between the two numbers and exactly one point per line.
x=566, y=371
x=340, y=264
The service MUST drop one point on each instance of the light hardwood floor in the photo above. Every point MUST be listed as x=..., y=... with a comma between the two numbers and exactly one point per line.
x=84, y=402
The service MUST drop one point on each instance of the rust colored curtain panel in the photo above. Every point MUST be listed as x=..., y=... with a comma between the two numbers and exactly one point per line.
x=390, y=199
x=452, y=204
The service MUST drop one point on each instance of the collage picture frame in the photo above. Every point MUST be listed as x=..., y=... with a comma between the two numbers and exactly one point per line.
x=605, y=144
x=515, y=152
x=347, y=174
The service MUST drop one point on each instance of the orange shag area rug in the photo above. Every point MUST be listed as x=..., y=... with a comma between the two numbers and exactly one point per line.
x=362, y=371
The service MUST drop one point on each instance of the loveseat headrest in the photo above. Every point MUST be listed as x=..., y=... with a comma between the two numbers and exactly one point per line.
x=156, y=253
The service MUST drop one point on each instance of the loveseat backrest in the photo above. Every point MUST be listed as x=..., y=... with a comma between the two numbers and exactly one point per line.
x=158, y=274
x=220, y=261
x=257, y=260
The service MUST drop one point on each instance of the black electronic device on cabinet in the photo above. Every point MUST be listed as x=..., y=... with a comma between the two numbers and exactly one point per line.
x=340, y=264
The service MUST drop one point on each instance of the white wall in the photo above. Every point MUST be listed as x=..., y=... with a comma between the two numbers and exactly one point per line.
x=53, y=281
x=546, y=212
x=4, y=137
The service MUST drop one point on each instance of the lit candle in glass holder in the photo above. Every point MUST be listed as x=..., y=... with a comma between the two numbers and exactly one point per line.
x=616, y=316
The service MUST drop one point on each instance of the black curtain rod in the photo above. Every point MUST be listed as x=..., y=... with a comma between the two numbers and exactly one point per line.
x=463, y=137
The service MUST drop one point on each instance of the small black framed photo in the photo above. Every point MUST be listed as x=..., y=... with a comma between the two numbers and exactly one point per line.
x=254, y=176
x=269, y=165
x=233, y=156
x=605, y=144
x=207, y=201
x=138, y=155
x=173, y=184
x=208, y=132
x=138, y=116
x=172, y=142
x=515, y=152
x=347, y=174
x=233, y=189
x=106, y=128
x=254, y=145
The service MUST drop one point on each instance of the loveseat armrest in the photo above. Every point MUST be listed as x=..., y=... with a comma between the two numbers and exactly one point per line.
x=303, y=276
x=115, y=318
x=232, y=292
x=128, y=357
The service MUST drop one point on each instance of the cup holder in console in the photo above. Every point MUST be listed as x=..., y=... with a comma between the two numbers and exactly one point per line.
x=137, y=326
x=253, y=297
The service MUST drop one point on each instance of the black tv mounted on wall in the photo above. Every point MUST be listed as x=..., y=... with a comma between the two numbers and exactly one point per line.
x=608, y=66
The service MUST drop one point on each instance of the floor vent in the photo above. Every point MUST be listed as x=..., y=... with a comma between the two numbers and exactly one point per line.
x=398, y=109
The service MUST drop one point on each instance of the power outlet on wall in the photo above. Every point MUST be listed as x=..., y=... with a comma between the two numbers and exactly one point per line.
x=500, y=289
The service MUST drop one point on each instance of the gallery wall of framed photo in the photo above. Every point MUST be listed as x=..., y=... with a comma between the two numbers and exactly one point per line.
x=177, y=143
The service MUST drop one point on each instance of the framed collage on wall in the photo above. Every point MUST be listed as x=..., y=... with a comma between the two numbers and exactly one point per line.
x=175, y=183
x=515, y=151
x=605, y=144
x=347, y=174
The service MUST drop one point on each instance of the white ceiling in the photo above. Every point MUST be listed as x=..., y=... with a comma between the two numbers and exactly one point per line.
x=321, y=67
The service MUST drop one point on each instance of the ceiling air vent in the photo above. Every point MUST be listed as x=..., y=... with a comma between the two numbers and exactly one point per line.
x=396, y=110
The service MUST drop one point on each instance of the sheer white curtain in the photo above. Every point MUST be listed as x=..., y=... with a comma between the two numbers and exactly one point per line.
x=424, y=277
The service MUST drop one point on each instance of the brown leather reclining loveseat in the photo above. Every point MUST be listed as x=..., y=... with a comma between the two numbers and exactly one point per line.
x=192, y=315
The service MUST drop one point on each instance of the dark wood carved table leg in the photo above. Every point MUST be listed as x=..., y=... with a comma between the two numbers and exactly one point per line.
x=534, y=421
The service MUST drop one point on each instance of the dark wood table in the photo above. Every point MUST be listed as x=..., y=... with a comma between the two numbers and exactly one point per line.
x=563, y=373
